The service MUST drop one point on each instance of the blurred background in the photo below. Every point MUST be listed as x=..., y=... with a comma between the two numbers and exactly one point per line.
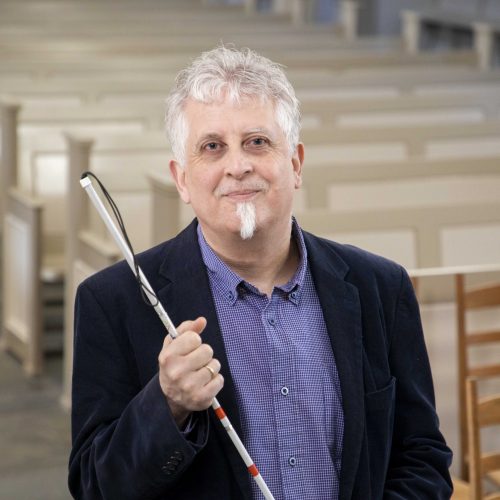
x=401, y=122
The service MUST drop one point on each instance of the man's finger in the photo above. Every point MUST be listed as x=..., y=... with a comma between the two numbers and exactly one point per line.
x=197, y=325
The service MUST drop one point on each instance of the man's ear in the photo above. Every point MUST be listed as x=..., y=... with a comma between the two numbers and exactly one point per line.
x=297, y=162
x=179, y=176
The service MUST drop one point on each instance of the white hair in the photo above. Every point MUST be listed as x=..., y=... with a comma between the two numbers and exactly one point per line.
x=246, y=213
x=235, y=73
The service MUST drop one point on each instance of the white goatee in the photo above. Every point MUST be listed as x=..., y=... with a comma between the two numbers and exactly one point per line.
x=246, y=212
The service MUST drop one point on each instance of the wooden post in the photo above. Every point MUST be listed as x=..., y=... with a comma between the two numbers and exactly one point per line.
x=250, y=6
x=8, y=153
x=78, y=162
x=411, y=27
x=473, y=440
x=281, y=6
x=462, y=374
x=349, y=18
x=165, y=215
x=483, y=44
x=298, y=12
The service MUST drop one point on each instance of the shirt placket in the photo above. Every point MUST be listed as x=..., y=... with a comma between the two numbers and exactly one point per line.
x=285, y=394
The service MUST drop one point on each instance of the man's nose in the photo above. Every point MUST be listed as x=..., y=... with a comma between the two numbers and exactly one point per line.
x=238, y=164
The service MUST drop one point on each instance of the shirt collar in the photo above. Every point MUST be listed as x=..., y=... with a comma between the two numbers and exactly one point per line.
x=228, y=282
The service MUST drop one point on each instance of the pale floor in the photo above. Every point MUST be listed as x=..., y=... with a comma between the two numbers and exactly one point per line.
x=34, y=433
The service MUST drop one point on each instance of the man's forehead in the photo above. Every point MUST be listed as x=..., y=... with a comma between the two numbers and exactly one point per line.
x=232, y=99
x=216, y=118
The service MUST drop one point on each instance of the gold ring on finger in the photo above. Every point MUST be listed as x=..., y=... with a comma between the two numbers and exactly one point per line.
x=211, y=370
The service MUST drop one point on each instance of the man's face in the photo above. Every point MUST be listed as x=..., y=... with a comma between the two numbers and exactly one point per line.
x=237, y=154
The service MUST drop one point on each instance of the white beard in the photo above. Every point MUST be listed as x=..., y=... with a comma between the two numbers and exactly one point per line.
x=246, y=213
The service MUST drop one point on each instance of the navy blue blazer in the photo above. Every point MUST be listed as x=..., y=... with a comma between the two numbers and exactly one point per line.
x=126, y=444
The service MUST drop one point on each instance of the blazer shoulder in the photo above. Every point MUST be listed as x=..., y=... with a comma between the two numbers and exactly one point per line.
x=119, y=277
x=362, y=266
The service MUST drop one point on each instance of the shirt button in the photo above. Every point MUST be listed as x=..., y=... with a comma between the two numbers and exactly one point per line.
x=293, y=295
x=168, y=469
x=271, y=321
x=292, y=461
x=230, y=296
x=284, y=391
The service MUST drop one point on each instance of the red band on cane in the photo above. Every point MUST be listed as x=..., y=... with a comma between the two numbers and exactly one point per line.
x=253, y=470
x=220, y=413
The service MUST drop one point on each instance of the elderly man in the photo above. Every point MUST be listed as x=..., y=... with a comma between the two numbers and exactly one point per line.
x=314, y=349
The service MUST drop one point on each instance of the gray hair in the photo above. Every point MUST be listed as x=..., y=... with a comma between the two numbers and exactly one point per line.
x=237, y=73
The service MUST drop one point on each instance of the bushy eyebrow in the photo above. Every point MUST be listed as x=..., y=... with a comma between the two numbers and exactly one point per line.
x=208, y=137
x=260, y=130
x=214, y=136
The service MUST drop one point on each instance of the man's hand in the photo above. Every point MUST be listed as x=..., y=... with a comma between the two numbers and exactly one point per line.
x=186, y=366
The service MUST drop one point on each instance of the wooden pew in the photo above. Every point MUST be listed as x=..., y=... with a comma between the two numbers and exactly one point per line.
x=403, y=140
x=35, y=220
x=325, y=146
x=339, y=166
x=131, y=193
x=174, y=21
x=144, y=113
x=302, y=59
x=337, y=125
x=419, y=233
x=98, y=119
x=21, y=287
x=372, y=144
x=325, y=165
x=87, y=86
x=414, y=142
x=108, y=53
x=46, y=241
x=300, y=12
x=319, y=176
x=482, y=27
x=317, y=98
x=196, y=33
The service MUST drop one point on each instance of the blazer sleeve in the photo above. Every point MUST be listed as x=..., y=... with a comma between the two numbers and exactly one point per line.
x=126, y=444
x=420, y=459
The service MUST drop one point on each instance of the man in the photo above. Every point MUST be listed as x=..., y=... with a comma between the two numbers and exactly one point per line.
x=314, y=349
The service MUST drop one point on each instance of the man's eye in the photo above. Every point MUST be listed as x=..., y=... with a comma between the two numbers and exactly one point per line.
x=258, y=141
x=211, y=146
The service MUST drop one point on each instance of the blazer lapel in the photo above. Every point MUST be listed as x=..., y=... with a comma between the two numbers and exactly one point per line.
x=342, y=312
x=186, y=296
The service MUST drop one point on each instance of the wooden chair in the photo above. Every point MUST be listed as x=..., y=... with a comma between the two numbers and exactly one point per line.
x=481, y=413
x=476, y=298
x=461, y=489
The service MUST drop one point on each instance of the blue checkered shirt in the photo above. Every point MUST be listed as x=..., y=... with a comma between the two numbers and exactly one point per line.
x=286, y=380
